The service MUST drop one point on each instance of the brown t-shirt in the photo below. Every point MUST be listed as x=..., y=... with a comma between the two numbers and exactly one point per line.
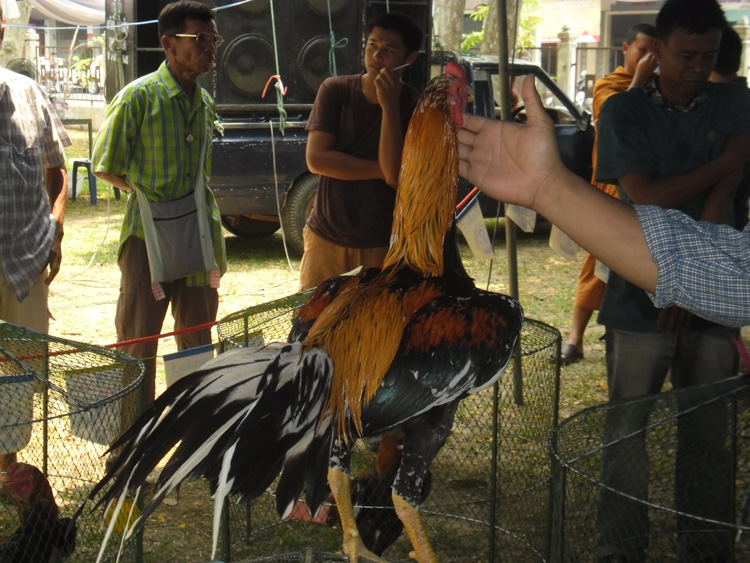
x=354, y=213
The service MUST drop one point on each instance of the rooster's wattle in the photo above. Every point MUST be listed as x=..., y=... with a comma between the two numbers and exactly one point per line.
x=393, y=348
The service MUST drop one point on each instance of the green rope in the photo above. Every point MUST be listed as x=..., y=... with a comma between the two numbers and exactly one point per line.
x=279, y=92
x=334, y=44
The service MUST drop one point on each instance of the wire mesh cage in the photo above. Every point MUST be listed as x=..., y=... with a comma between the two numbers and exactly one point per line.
x=490, y=484
x=659, y=478
x=61, y=403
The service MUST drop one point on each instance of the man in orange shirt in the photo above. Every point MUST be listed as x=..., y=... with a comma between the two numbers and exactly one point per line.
x=638, y=70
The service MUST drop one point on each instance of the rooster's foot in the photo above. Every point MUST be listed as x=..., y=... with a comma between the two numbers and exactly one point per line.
x=412, y=520
x=358, y=553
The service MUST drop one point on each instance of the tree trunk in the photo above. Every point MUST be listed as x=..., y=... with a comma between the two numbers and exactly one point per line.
x=448, y=25
x=15, y=36
x=491, y=42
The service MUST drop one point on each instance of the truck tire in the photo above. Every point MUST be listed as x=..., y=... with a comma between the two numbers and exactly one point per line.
x=244, y=227
x=299, y=204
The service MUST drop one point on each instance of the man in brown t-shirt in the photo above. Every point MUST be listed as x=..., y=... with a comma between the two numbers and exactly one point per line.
x=356, y=136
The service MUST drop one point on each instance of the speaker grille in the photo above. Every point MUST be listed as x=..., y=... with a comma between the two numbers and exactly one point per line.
x=247, y=63
x=314, y=62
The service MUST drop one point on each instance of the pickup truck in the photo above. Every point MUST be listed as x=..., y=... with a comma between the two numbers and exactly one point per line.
x=260, y=177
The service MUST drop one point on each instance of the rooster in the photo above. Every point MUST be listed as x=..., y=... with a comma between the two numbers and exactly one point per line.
x=396, y=348
x=41, y=537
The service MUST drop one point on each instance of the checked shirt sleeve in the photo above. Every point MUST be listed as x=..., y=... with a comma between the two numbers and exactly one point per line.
x=702, y=267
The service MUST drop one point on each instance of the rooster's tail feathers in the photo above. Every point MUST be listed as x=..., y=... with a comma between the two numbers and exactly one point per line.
x=238, y=421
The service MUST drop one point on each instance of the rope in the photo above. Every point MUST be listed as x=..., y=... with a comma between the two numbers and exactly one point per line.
x=278, y=199
x=334, y=44
x=280, y=91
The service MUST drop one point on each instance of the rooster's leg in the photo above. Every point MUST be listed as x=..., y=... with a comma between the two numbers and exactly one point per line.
x=412, y=521
x=353, y=545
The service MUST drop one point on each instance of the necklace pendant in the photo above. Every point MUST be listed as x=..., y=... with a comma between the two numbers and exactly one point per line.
x=189, y=138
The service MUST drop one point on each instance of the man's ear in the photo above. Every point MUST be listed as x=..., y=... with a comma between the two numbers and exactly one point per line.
x=625, y=47
x=167, y=43
x=659, y=47
x=411, y=57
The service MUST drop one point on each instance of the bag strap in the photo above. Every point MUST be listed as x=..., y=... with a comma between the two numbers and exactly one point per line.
x=204, y=228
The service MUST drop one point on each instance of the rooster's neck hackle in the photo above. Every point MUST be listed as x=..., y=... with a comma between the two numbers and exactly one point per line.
x=427, y=185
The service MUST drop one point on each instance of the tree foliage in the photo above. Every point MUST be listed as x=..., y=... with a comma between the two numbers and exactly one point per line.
x=526, y=24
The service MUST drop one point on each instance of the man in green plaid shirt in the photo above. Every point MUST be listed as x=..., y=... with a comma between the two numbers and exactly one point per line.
x=151, y=140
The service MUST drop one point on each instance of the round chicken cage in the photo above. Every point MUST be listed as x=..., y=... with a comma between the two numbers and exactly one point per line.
x=658, y=478
x=61, y=404
x=490, y=487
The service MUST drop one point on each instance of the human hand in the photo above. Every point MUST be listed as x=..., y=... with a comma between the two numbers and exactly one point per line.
x=674, y=319
x=388, y=88
x=512, y=163
x=55, y=254
x=646, y=66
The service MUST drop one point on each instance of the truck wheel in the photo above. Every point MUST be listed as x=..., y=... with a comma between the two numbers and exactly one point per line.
x=244, y=227
x=299, y=204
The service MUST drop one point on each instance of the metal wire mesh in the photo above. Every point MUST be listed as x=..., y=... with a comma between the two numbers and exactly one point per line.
x=490, y=494
x=61, y=403
x=658, y=478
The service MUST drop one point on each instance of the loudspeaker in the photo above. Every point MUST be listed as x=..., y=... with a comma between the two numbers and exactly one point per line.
x=293, y=41
x=301, y=32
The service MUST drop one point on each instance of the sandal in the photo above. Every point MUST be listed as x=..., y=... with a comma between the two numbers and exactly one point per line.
x=569, y=354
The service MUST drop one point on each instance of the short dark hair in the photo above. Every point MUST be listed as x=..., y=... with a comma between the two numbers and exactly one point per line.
x=402, y=24
x=691, y=16
x=640, y=29
x=730, y=53
x=174, y=16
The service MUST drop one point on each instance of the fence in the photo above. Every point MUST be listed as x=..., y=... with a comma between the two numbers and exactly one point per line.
x=82, y=79
x=658, y=478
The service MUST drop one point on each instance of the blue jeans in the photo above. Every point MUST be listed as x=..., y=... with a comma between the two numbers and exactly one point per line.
x=637, y=366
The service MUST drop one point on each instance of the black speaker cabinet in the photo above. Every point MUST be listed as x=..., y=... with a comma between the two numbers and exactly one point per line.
x=295, y=39
x=300, y=31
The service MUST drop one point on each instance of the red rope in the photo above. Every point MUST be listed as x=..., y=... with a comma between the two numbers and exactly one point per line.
x=164, y=335
x=116, y=344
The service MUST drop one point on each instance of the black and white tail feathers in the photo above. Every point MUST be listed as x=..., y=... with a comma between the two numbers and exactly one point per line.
x=238, y=421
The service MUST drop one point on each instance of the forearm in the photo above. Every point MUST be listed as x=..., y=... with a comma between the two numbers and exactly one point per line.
x=678, y=189
x=719, y=201
x=342, y=166
x=56, y=184
x=117, y=180
x=606, y=227
x=391, y=147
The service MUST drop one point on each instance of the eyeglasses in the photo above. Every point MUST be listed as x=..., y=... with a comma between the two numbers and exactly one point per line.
x=203, y=39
